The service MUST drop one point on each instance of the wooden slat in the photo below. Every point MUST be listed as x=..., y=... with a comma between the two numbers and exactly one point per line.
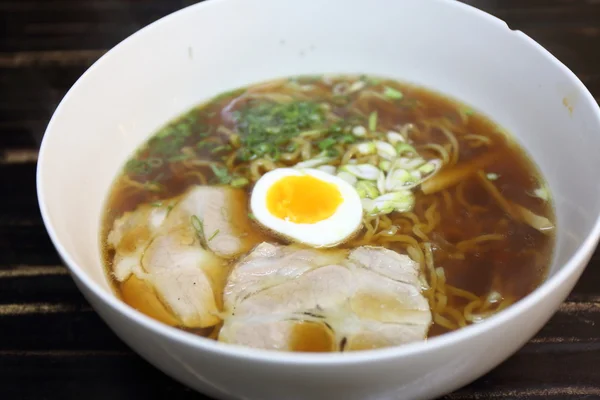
x=87, y=376
x=54, y=346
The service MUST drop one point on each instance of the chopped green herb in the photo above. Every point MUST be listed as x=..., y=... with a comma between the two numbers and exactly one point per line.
x=326, y=143
x=373, y=121
x=370, y=80
x=392, y=93
x=264, y=148
x=156, y=204
x=221, y=173
x=468, y=112
x=213, y=235
x=332, y=152
x=244, y=154
x=169, y=207
x=251, y=216
x=347, y=138
x=265, y=127
x=335, y=128
x=198, y=225
x=291, y=147
x=138, y=167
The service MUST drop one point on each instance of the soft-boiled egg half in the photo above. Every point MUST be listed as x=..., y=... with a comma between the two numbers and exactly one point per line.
x=307, y=206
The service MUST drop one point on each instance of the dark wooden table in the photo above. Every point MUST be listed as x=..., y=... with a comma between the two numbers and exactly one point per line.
x=53, y=345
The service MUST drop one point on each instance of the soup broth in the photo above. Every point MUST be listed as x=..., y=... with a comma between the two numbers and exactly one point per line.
x=464, y=202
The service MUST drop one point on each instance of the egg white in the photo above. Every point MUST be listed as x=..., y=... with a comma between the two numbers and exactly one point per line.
x=340, y=226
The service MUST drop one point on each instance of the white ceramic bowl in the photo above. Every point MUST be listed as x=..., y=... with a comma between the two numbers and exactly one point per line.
x=187, y=57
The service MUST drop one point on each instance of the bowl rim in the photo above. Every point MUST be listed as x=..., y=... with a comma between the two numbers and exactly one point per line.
x=198, y=343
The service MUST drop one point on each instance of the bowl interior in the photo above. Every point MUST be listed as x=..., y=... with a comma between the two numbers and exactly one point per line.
x=188, y=57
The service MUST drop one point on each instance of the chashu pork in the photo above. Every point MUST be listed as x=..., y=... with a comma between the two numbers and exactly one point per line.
x=177, y=250
x=297, y=299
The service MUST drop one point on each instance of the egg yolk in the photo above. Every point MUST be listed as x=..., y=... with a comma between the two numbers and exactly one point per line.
x=303, y=199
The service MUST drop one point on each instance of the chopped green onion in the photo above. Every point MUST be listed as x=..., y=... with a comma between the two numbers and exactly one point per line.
x=381, y=182
x=359, y=131
x=197, y=225
x=313, y=162
x=356, y=86
x=362, y=171
x=264, y=148
x=348, y=177
x=402, y=147
x=400, y=201
x=395, y=137
x=468, y=112
x=251, y=216
x=213, y=235
x=221, y=173
x=366, y=148
x=245, y=154
x=392, y=93
x=326, y=143
x=239, y=182
x=408, y=163
x=156, y=204
x=335, y=128
x=367, y=189
x=332, y=152
x=328, y=169
x=385, y=150
x=385, y=165
x=373, y=121
x=372, y=81
x=400, y=179
x=291, y=147
x=347, y=139
x=427, y=168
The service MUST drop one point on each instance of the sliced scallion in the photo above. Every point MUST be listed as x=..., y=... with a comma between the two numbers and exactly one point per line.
x=239, y=182
x=366, y=148
x=362, y=171
x=385, y=150
x=215, y=233
x=367, y=189
x=373, y=121
x=392, y=93
x=359, y=131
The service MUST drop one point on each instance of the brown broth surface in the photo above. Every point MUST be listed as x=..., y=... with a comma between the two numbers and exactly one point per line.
x=513, y=266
